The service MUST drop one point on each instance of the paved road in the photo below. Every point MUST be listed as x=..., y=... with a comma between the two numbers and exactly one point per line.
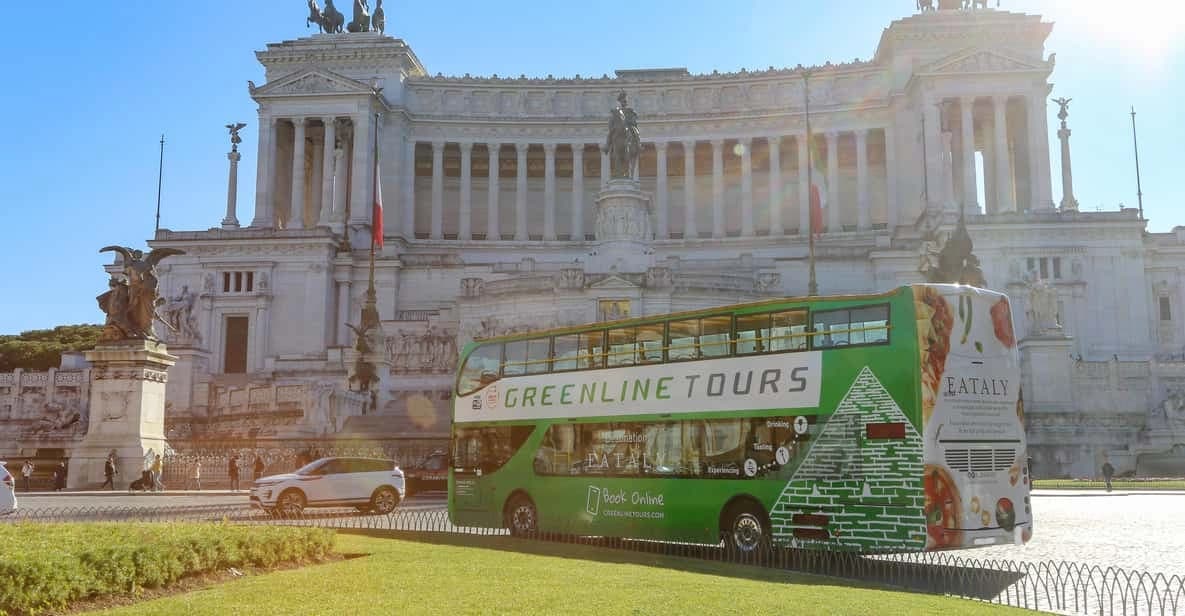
x=1137, y=531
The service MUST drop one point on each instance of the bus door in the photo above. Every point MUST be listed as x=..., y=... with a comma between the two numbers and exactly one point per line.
x=479, y=453
x=467, y=456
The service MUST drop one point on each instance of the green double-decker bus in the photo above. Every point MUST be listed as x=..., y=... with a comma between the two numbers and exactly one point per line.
x=865, y=423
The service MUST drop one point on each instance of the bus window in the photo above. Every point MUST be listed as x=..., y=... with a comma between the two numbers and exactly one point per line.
x=788, y=331
x=567, y=349
x=714, y=336
x=486, y=450
x=622, y=347
x=752, y=334
x=481, y=369
x=557, y=453
x=682, y=341
x=650, y=338
x=527, y=357
x=856, y=326
x=592, y=350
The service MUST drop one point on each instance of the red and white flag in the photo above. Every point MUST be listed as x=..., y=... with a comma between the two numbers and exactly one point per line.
x=377, y=216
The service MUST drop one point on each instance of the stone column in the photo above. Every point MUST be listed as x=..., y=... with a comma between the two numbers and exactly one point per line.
x=932, y=183
x=1004, y=196
x=604, y=167
x=833, y=222
x=689, y=230
x=746, y=144
x=464, y=227
x=775, y=186
x=328, y=166
x=804, y=187
x=717, y=188
x=970, y=189
x=362, y=176
x=296, y=215
x=341, y=175
x=578, y=192
x=264, y=173
x=863, y=208
x=893, y=207
x=493, y=229
x=1069, y=203
x=1039, y=154
x=549, y=192
x=520, y=194
x=315, y=182
x=409, y=188
x=660, y=187
x=437, y=231
x=343, y=312
x=232, y=189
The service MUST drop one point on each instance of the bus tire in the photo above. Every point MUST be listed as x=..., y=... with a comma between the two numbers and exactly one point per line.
x=745, y=528
x=522, y=518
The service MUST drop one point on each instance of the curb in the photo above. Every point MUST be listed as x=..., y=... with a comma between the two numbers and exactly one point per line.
x=165, y=494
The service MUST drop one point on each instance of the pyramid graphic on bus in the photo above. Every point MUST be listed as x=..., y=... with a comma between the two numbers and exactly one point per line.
x=870, y=490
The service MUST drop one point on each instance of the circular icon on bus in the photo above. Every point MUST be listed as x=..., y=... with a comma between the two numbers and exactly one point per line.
x=800, y=425
x=492, y=396
x=782, y=455
x=750, y=467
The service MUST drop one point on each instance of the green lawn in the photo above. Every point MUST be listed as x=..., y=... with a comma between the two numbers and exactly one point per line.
x=1116, y=484
x=406, y=577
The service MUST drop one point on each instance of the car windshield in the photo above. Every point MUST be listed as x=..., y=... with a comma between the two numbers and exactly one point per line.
x=311, y=467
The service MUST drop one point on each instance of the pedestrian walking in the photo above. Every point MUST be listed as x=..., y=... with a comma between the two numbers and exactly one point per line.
x=27, y=474
x=158, y=467
x=257, y=469
x=195, y=476
x=232, y=469
x=59, y=477
x=1108, y=473
x=109, y=472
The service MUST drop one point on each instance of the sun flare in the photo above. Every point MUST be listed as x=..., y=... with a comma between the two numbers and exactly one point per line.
x=1146, y=29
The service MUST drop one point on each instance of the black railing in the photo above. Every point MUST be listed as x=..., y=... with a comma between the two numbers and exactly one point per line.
x=1055, y=586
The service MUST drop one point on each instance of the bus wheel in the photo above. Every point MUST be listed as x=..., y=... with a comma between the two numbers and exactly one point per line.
x=521, y=516
x=745, y=528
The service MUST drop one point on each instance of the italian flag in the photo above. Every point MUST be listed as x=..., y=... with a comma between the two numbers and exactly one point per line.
x=377, y=215
x=818, y=201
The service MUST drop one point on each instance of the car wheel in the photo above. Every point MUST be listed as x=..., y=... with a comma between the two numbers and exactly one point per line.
x=746, y=529
x=521, y=516
x=291, y=503
x=384, y=500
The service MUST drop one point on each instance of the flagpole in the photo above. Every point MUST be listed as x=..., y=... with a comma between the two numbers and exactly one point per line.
x=159, y=174
x=812, y=288
x=370, y=310
x=1136, y=147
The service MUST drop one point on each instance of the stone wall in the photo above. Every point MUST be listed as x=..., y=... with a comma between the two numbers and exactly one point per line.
x=48, y=409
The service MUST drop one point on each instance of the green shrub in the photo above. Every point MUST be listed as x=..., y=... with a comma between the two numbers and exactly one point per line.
x=46, y=566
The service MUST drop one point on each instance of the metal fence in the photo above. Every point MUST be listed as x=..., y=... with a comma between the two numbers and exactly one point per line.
x=1061, y=587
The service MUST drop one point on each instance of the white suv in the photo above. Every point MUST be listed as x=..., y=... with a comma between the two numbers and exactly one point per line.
x=7, y=490
x=367, y=484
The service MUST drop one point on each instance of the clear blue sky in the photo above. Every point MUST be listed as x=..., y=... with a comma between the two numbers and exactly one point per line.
x=90, y=91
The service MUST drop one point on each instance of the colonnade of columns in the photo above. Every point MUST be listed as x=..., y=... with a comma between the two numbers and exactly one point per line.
x=545, y=218
x=1011, y=134
x=313, y=170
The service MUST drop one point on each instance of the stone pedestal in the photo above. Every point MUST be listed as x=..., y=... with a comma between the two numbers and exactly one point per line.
x=1045, y=368
x=624, y=228
x=127, y=404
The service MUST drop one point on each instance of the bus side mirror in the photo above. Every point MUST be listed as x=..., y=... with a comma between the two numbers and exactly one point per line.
x=488, y=377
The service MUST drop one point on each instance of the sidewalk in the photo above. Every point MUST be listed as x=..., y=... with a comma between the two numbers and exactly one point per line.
x=1100, y=492
x=125, y=493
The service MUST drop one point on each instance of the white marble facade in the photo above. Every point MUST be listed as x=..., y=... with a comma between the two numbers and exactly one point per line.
x=490, y=184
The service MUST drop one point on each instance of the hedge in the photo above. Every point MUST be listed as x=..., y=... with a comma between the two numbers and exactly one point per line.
x=44, y=567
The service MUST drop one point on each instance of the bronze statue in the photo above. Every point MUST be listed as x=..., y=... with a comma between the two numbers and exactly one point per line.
x=379, y=19
x=131, y=302
x=1064, y=112
x=361, y=21
x=956, y=262
x=330, y=20
x=925, y=5
x=235, y=127
x=624, y=143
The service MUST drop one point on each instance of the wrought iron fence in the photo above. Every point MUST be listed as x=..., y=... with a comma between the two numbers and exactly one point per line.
x=1055, y=586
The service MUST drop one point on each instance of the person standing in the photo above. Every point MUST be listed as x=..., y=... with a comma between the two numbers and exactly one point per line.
x=1108, y=473
x=59, y=477
x=195, y=475
x=109, y=472
x=158, y=467
x=232, y=469
x=257, y=470
x=27, y=474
